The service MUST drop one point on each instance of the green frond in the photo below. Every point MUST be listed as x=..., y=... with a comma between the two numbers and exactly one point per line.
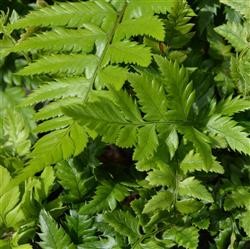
x=193, y=188
x=162, y=175
x=236, y=33
x=104, y=116
x=127, y=105
x=239, y=197
x=74, y=64
x=187, y=237
x=151, y=95
x=129, y=52
x=178, y=26
x=81, y=226
x=74, y=182
x=241, y=6
x=178, y=87
x=59, y=145
x=230, y=106
x=51, y=235
x=16, y=131
x=245, y=222
x=193, y=162
x=106, y=198
x=61, y=40
x=146, y=25
x=61, y=88
x=163, y=200
x=234, y=134
x=239, y=67
x=66, y=14
x=123, y=223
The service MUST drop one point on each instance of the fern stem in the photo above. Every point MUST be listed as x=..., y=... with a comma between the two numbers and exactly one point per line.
x=108, y=43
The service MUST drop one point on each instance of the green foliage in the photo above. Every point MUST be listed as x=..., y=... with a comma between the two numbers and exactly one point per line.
x=125, y=125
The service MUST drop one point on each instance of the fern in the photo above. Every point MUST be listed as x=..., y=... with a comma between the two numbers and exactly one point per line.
x=241, y=6
x=232, y=32
x=106, y=41
x=106, y=197
x=131, y=128
x=236, y=138
x=51, y=236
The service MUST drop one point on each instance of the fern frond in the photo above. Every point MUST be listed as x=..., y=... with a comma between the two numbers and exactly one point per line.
x=81, y=227
x=236, y=33
x=239, y=197
x=60, y=144
x=241, y=6
x=16, y=132
x=234, y=134
x=51, y=235
x=162, y=175
x=163, y=200
x=66, y=14
x=179, y=89
x=123, y=223
x=105, y=118
x=230, y=106
x=61, y=40
x=178, y=28
x=245, y=222
x=193, y=162
x=75, y=182
x=61, y=88
x=106, y=197
x=148, y=25
x=193, y=188
x=74, y=64
x=151, y=95
x=129, y=52
x=187, y=237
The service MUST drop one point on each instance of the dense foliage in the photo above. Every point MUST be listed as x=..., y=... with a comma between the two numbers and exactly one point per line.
x=125, y=124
